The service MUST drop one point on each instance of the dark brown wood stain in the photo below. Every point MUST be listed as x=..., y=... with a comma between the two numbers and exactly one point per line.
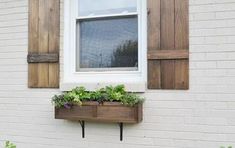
x=107, y=112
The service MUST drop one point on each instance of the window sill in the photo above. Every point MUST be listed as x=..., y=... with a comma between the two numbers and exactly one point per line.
x=130, y=87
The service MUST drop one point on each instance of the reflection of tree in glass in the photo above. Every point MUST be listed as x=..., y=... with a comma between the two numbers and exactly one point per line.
x=126, y=55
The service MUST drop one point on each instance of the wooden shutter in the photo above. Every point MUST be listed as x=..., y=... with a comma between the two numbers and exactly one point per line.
x=43, y=46
x=168, y=44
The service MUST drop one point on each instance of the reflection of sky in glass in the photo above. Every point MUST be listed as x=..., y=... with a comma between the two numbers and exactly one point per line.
x=99, y=39
x=102, y=7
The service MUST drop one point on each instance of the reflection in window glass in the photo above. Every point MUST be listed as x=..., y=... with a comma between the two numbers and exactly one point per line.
x=104, y=7
x=108, y=43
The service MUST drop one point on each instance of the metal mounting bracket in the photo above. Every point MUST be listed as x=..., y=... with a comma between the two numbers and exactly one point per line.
x=121, y=131
x=82, y=123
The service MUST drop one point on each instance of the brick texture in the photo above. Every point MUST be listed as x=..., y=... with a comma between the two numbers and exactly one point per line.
x=202, y=117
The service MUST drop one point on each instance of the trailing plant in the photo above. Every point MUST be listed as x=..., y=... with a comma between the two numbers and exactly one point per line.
x=8, y=144
x=131, y=99
x=107, y=94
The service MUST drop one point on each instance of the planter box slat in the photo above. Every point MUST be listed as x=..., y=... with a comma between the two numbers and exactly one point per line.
x=107, y=112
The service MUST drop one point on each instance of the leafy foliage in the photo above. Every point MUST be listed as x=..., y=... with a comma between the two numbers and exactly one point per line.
x=131, y=99
x=115, y=93
x=107, y=94
x=8, y=144
x=225, y=147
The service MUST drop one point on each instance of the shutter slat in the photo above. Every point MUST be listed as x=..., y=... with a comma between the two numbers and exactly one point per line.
x=33, y=41
x=44, y=39
x=54, y=39
x=181, y=41
x=154, y=39
x=167, y=42
x=182, y=74
x=43, y=79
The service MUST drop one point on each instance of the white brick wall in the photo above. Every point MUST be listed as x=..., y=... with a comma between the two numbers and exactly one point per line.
x=202, y=117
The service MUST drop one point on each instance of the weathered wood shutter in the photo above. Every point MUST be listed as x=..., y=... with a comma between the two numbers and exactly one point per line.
x=43, y=46
x=168, y=44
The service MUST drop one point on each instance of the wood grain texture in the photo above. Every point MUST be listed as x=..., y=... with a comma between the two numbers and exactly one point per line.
x=181, y=41
x=43, y=39
x=154, y=24
x=43, y=58
x=168, y=54
x=54, y=40
x=33, y=41
x=154, y=40
x=107, y=112
x=154, y=74
x=168, y=44
x=43, y=79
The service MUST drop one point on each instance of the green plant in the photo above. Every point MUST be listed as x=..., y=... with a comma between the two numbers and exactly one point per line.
x=225, y=147
x=97, y=95
x=115, y=93
x=8, y=144
x=131, y=99
x=76, y=96
x=109, y=94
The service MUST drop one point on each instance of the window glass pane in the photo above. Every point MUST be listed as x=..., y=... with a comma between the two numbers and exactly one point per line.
x=108, y=43
x=104, y=7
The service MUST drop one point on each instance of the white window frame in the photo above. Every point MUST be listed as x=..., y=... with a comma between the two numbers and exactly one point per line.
x=133, y=80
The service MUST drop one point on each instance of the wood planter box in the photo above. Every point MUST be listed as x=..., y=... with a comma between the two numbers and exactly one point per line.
x=106, y=112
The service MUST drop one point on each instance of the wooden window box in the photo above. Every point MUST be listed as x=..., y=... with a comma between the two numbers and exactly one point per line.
x=106, y=112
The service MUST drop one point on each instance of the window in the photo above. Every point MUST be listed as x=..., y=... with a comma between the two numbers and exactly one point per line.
x=105, y=41
x=107, y=44
x=107, y=35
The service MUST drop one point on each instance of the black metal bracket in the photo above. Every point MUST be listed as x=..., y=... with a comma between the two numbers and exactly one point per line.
x=82, y=123
x=121, y=131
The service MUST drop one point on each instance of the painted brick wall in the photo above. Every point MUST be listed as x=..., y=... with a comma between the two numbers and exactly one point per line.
x=203, y=117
